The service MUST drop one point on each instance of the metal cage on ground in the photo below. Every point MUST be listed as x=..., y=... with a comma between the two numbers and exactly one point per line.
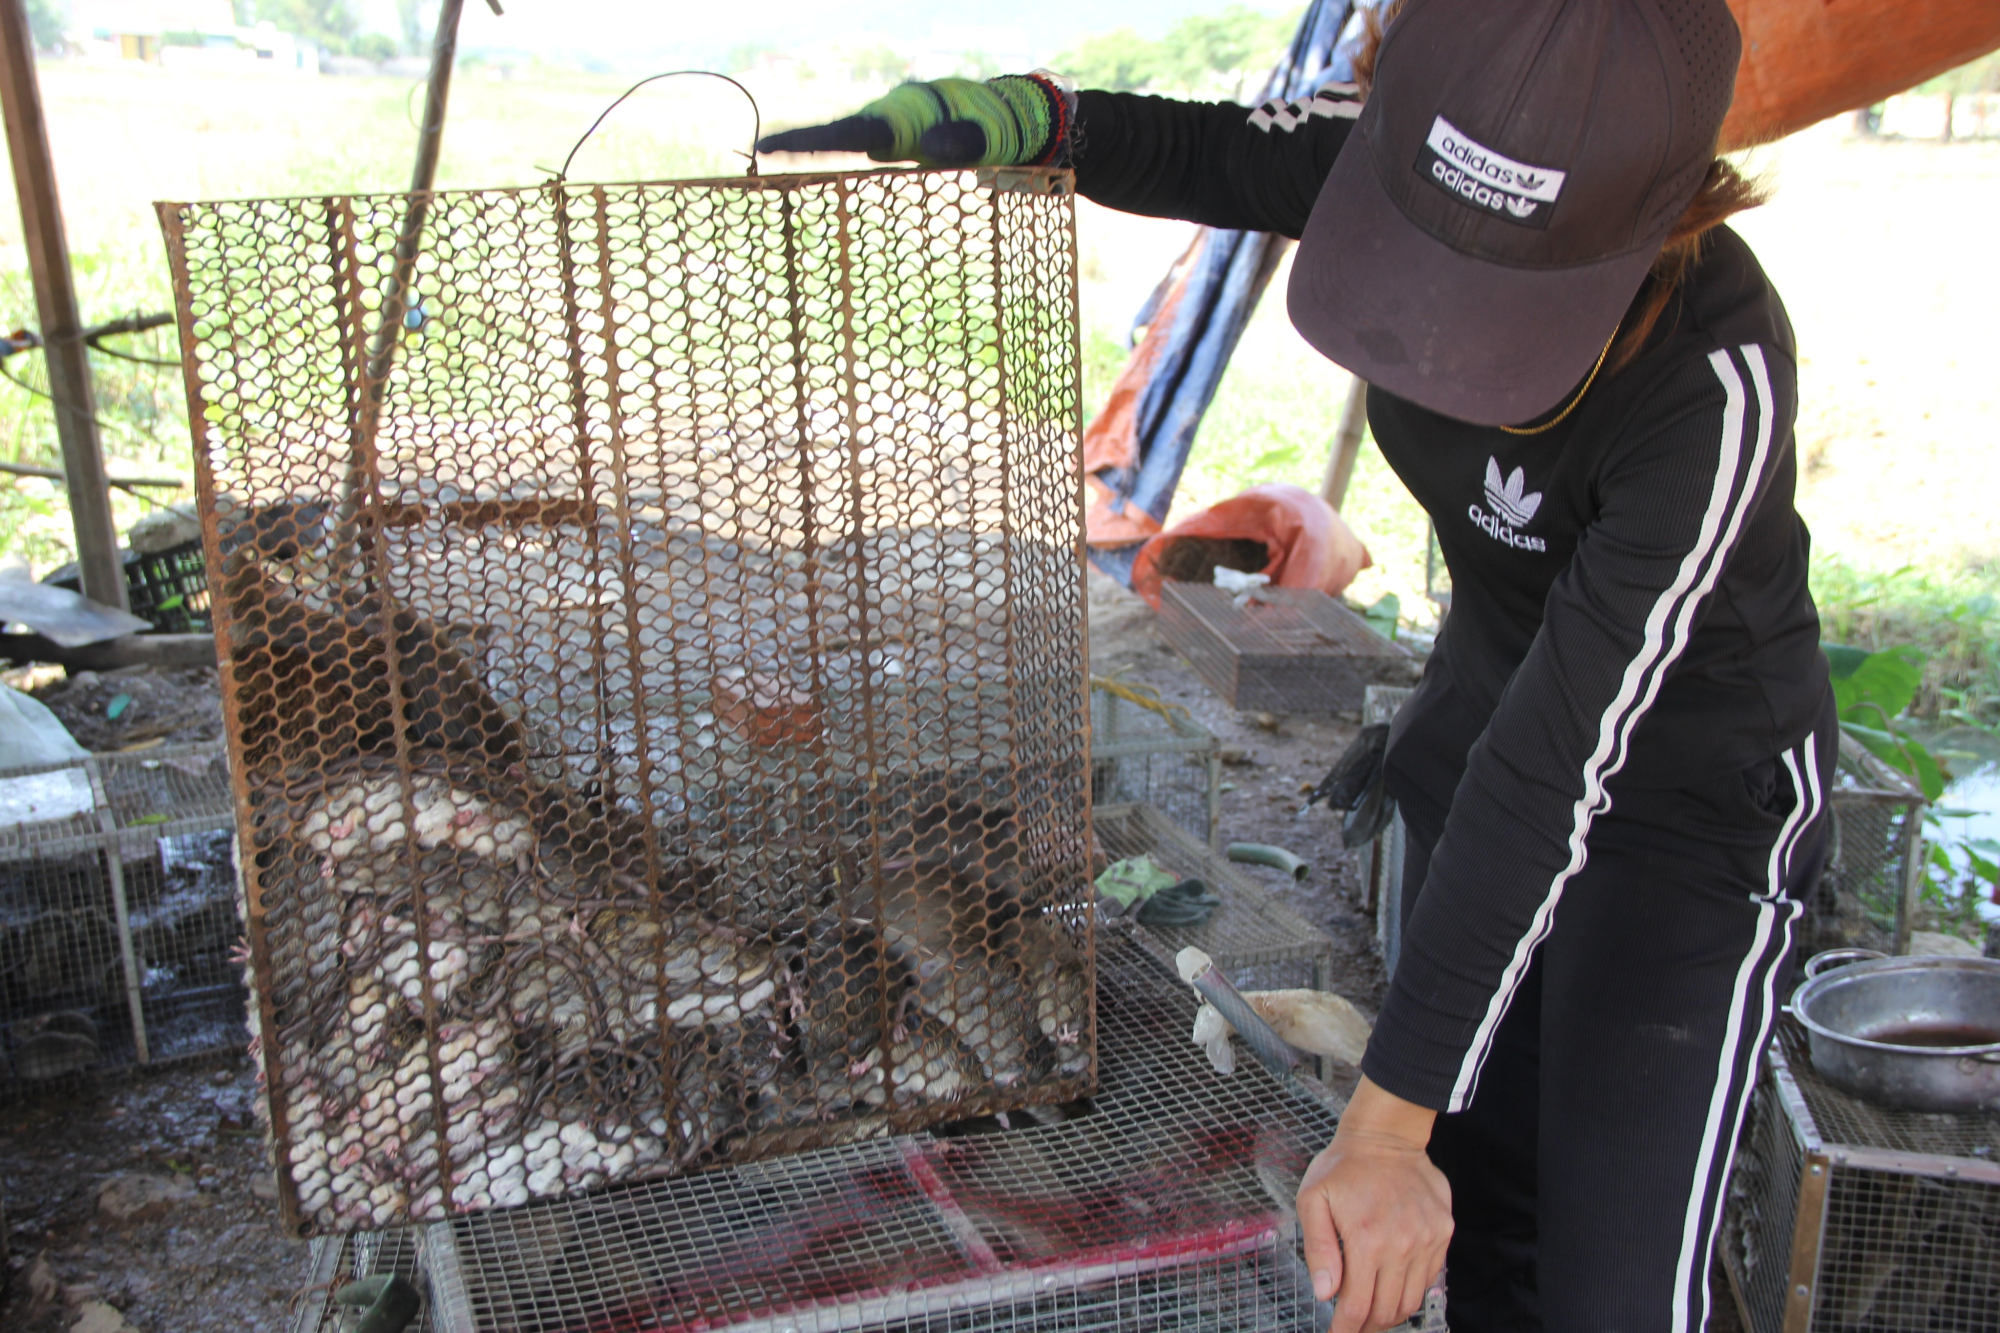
x=1843, y=1216
x=1870, y=893
x=118, y=914
x=1146, y=756
x=654, y=667
x=1257, y=940
x=1163, y=1204
x=1283, y=649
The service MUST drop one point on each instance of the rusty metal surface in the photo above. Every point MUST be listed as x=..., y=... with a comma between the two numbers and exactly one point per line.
x=1285, y=649
x=657, y=706
x=1164, y=1203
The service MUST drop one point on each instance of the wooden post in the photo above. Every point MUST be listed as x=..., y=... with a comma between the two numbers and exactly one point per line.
x=1346, y=444
x=55, y=303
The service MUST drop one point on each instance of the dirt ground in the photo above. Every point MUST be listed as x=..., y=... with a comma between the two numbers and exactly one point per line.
x=216, y=1260
x=161, y=708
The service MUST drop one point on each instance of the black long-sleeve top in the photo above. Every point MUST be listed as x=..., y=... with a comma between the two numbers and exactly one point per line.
x=1629, y=600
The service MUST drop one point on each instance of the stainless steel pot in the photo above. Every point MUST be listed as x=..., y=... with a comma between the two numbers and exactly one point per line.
x=1916, y=1034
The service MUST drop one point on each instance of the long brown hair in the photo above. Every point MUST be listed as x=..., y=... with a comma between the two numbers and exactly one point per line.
x=1724, y=192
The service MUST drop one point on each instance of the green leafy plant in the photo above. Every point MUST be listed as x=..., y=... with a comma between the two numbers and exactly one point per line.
x=1873, y=693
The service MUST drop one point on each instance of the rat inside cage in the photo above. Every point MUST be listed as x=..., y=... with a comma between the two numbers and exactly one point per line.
x=656, y=692
x=1163, y=1202
x=118, y=916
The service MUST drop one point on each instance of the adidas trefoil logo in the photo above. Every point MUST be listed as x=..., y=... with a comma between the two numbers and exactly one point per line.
x=1528, y=181
x=1506, y=496
x=1520, y=208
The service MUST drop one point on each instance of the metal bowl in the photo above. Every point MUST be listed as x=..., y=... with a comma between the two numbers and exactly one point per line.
x=1915, y=1034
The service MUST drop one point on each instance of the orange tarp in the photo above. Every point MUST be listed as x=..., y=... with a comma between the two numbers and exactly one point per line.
x=1805, y=60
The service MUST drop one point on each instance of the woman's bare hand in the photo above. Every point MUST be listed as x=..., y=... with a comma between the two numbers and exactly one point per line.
x=1376, y=1214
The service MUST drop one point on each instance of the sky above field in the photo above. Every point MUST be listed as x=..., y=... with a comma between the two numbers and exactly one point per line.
x=630, y=33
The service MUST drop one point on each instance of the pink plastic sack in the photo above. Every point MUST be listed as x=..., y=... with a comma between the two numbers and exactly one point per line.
x=1305, y=544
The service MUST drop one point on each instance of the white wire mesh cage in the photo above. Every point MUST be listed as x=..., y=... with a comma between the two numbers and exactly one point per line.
x=118, y=916
x=1844, y=1217
x=1164, y=1202
x=1258, y=941
x=1868, y=895
x=1158, y=756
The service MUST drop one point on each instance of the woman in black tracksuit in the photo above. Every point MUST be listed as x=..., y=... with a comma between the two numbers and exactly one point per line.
x=1612, y=773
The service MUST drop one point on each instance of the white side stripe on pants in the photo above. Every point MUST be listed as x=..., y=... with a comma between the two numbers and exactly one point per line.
x=1718, y=1135
x=1668, y=628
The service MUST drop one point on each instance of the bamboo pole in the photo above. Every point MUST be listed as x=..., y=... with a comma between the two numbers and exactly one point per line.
x=1346, y=444
x=55, y=301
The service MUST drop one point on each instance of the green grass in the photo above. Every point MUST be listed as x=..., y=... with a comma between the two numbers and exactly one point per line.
x=1953, y=617
x=122, y=140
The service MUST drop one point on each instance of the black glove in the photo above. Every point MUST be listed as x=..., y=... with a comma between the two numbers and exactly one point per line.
x=1357, y=784
x=1188, y=903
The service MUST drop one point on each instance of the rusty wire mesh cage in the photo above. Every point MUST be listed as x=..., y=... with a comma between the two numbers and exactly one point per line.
x=117, y=914
x=1158, y=756
x=652, y=623
x=1162, y=1203
x=1868, y=895
x=1845, y=1216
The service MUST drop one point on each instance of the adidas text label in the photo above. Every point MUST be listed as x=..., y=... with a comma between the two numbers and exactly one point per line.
x=1491, y=168
x=1498, y=186
x=1501, y=532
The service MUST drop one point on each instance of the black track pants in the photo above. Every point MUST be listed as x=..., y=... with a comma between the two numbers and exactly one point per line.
x=1587, y=1174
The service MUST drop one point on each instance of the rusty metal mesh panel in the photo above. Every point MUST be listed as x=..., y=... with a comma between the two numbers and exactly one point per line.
x=1257, y=940
x=1862, y=898
x=1164, y=1204
x=656, y=681
x=118, y=915
x=1909, y=1235
x=1144, y=756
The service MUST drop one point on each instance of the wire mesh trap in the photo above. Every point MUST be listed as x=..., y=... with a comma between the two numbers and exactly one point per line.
x=1165, y=1205
x=654, y=669
x=1284, y=649
x=1844, y=1216
x=1868, y=895
x=118, y=914
x=1257, y=941
x=1157, y=756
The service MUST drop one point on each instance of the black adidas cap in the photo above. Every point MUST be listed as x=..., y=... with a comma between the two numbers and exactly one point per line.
x=1514, y=174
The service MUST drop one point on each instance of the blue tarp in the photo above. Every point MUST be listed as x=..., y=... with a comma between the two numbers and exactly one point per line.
x=1229, y=274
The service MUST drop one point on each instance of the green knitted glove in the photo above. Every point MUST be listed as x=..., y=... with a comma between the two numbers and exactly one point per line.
x=1014, y=120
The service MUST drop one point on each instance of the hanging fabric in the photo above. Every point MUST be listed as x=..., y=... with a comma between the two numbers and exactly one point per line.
x=1137, y=447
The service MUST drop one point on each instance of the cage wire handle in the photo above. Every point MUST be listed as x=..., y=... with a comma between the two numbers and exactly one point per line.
x=756, y=115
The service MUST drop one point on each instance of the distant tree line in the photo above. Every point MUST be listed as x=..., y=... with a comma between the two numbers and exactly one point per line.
x=1221, y=53
x=1218, y=53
